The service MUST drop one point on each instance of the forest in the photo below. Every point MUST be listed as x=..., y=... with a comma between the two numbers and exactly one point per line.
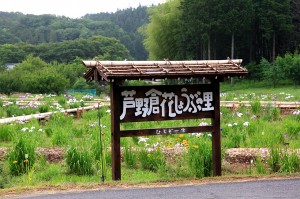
x=265, y=34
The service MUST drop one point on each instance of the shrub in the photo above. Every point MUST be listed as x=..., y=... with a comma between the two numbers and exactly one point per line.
x=130, y=157
x=273, y=160
x=59, y=137
x=76, y=104
x=13, y=110
x=151, y=160
x=44, y=108
x=256, y=107
x=48, y=131
x=1, y=112
x=6, y=133
x=79, y=162
x=259, y=165
x=200, y=159
x=22, y=157
x=27, y=110
x=289, y=163
x=292, y=128
x=62, y=101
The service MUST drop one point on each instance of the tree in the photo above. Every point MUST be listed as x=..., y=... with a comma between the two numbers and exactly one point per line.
x=273, y=19
x=160, y=34
x=235, y=18
x=199, y=24
x=8, y=82
x=271, y=72
x=290, y=65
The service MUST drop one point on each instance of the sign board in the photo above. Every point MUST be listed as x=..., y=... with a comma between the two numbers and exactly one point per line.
x=160, y=103
x=153, y=103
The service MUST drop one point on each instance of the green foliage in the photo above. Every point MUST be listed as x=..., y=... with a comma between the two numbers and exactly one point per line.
x=79, y=162
x=22, y=157
x=130, y=157
x=289, y=163
x=44, y=108
x=151, y=160
x=8, y=82
x=292, y=127
x=272, y=113
x=60, y=137
x=13, y=110
x=256, y=107
x=290, y=65
x=161, y=32
x=200, y=159
x=282, y=160
x=271, y=72
x=6, y=133
x=121, y=25
x=273, y=160
x=259, y=165
x=2, y=112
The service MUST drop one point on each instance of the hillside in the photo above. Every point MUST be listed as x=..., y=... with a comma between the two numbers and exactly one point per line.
x=123, y=25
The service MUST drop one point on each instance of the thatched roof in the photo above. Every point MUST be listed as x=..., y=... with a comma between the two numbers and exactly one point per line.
x=134, y=70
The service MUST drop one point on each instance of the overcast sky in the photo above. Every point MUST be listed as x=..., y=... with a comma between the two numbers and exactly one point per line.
x=70, y=8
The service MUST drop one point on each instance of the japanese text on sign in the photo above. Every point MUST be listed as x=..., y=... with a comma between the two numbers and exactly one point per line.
x=166, y=104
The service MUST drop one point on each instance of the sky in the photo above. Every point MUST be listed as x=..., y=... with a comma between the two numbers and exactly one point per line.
x=70, y=8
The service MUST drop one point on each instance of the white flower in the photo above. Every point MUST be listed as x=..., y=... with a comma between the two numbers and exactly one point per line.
x=246, y=123
x=33, y=127
x=296, y=112
x=235, y=124
x=24, y=129
x=203, y=124
x=40, y=130
x=143, y=139
x=209, y=135
x=150, y=149
x=92, y=124
x=239, y=114
x=155, y=145
x=108, y=111
x=30, y=131
x=197, y=134
x=230, y=125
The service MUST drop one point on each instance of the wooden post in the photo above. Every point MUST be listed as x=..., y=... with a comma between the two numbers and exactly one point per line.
x=115, y=131
x=216, y=134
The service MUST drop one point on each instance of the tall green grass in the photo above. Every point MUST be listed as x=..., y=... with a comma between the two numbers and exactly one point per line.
x=200, y=159
x=22, y=157
x=79, y=162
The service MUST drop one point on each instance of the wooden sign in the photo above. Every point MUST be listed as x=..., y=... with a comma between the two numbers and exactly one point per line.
x=156, y=103
x=159, y=103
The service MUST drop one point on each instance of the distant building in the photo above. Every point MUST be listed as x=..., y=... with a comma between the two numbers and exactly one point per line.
x=10, y=66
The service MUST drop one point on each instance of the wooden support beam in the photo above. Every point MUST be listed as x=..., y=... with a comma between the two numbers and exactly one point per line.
x=115, y=131
x=216, y=134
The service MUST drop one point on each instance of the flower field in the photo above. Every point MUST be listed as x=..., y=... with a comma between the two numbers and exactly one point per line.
x=87, y=155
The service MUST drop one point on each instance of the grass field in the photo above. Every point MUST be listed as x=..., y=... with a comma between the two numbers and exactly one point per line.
x=145, y=158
